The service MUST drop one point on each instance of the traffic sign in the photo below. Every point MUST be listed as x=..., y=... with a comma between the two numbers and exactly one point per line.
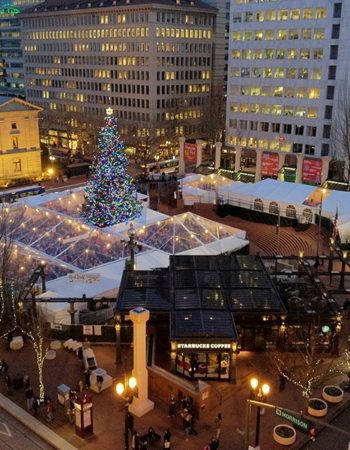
x=297, y=420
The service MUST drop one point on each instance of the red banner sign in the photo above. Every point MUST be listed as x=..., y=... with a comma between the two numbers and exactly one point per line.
x=312, y=170
x=269, y=164
x=190, y=154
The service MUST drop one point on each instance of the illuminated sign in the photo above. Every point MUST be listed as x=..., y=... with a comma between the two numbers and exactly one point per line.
x=204, y=346
x=312, y=170
x=190, y=152
x=269, y=164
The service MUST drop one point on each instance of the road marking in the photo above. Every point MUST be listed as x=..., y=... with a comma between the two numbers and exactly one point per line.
x=6, y=431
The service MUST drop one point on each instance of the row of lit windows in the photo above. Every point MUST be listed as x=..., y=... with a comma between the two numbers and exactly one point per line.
x=88, y=60
x=172, y=61
x=176, y=18
x=282, y=14
x=183, y=33
x=186, y=75
x=184, y=47
x=279, y=34
x=274, y=110
x=277, y=91
x=279, y=53
x=183, y=115
x=90, y=73
x=88, y=34
x=302, y=73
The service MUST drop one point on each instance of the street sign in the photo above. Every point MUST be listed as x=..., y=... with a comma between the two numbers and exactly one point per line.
x=297, y=420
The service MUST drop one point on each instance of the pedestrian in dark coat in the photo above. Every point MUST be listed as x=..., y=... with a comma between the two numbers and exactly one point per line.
x=29, y=396
x=130, y=422
x=214, y=444
x=166, y=440
x=26, y=382
x=36, y=404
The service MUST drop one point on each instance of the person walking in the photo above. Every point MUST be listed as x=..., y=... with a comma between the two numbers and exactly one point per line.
x=218, y=420
x=214, y=443
x=135, y=441
x=29, y=393
x=36, y=404
x=26, y=382
x=172, y=406
x=166, y=439
x=49, y=410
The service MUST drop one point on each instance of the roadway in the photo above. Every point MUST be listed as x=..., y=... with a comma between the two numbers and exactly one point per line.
x=15, y=436
x=331, y=439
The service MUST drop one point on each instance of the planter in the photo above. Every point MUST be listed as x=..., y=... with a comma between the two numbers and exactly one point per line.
x=284, y=434
x=333, y=394
x=317, y=407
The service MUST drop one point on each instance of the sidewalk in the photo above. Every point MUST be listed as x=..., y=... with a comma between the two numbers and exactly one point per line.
x=109, y=417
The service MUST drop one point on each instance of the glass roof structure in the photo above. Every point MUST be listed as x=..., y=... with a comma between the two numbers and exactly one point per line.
x=48, y=227
x=202, y=293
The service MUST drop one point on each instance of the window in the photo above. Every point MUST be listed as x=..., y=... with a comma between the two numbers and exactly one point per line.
x=254, y=125
x=299, y=130
x=311, y=131
x=330, y=93
x=332, y=71
x=319, y=33
x=326, y=131
x=283, y=14
x=335, y=31
x=306, y=33
x=17, y=166
x=325, y=150
x=14, y=125
x=337, y=10
x=333, y=54
x=328, y=112
x=297, y=148
x=295, y=14
x=308, y=13
x=318, y=53
x=243, y=124
x=305, y=53
x=309, y=149
x=287, y=128
x=264, y=126
x=276, y=127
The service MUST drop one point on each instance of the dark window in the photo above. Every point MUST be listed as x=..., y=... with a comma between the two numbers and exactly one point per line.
x=264, y=126
x=332, y=70
x=299, y=130
x=325, y=150
x=333, y=54
x=335, y=31
x=337, y=10
x=309, y=149
x=297, y=148
x=330, y=93
x=14, y=125
x=311, y=131
x=276, y=127
x=328, y=112
x=287, y=128
x=326, y=131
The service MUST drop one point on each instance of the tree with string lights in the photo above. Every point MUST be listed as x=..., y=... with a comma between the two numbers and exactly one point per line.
x=110, y=194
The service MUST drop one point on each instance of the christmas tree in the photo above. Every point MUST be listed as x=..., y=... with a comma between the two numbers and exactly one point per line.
x=110, y=194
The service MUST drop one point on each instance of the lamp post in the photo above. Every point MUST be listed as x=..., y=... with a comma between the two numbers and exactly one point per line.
x=323, y=191
x=259, y=393
x=343, y=267
x=118, y=325
x=126, y=391
x=131, y=244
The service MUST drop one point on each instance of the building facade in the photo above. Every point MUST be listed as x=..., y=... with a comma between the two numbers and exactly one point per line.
x=20, y=154
x=287, y=61
x=11, y=59
x=152, y=63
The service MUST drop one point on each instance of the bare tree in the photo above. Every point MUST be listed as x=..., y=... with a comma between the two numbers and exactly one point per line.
x=340, y=130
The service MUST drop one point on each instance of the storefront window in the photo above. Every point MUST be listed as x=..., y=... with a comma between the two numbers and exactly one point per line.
x=204, y=365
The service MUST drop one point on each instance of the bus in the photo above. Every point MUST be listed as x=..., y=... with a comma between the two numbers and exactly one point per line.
x=11, y=195
x=167, y=166
x=76, y=169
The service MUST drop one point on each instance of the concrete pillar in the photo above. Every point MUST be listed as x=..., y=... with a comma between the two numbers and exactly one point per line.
x=182, y=155
x=281, y=161
x=238, y=159
x=199, y=144
x=299, y=172
x=140, y=405
x=325, y=168
x=218, y=147
x=259, y=152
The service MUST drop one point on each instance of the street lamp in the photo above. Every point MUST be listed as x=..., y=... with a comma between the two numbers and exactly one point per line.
x=323, y=191
x=126, y=391
x=258, y=393
x=118, y=326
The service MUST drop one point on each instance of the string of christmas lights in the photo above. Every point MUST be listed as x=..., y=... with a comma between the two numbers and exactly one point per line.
x=110, y=194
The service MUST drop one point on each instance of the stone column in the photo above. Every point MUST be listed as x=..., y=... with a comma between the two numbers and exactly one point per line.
x=299, y=172
x=238, y=159
x=259, y=152
x=182, y=155
x=218, y=147
x=325, y=168
x=281, y=161
x=140, y=405
x=199, y=144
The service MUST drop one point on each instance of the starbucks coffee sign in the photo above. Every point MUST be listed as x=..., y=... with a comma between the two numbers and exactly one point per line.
x=203, y=346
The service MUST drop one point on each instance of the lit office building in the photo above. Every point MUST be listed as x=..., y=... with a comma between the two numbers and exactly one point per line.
x=11, y=60
x=151, y=62
x=287, y=61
